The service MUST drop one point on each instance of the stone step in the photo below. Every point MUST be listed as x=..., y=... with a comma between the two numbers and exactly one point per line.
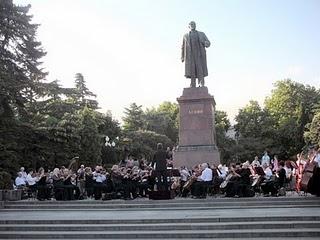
x=139, y=201
x=161, y=226
x=238, y=233
x=190, y=220
x=154, y=208
x=260, y=238
x=146, y=205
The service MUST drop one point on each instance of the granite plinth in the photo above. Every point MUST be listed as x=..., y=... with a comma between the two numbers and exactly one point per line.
x=197, y=135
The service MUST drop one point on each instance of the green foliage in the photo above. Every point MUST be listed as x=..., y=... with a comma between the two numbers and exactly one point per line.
x=5, y=180
x=19, y=59
x=225, y=143
x=291, y=106
x=253, y=130
x=134, y=118
x=312, y=135
x=81, y=94
x=163, y=120
x=221, y=121
x=91, y=141
x=143, y=143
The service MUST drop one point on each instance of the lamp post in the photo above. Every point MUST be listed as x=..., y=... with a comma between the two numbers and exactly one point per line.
x=112, y=144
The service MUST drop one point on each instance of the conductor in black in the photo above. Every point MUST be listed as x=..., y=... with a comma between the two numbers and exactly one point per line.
x=159, y=164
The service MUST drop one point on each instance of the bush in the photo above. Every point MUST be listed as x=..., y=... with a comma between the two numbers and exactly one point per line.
x=5, y=180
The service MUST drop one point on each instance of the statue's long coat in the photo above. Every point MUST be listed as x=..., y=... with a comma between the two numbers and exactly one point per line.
x=195, y=66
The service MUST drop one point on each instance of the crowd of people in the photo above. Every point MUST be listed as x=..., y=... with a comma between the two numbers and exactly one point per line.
x=133, y=178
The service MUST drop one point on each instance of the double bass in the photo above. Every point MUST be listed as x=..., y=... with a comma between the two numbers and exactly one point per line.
x=308, y=174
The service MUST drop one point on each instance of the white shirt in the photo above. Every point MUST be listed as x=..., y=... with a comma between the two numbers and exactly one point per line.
x=317, y=159
x=24, y=175
x=268, y=173
x=288, y=172
x=31, y=180
x=265, y=160
x=255, y=162
x=206, y=175
x=222, y=173
x=184, y=175
x=99, y=177
x=20, y=181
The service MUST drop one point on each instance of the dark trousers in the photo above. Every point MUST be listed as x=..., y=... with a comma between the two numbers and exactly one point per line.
x=98, y=188
x=200, y=188
x=161, y=180
x=269, y=187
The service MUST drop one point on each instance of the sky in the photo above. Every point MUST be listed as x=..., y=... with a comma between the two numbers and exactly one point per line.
x=129, y=50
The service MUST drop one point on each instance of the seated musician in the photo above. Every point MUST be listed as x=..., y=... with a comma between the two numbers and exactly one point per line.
x=145, y=184
x=89, y=182
x=42, y=186
x=244, y=188
x=32, y=180
x=290, y=173
x=256, y=161
x=20, y=181
x=116, y=178
x=281, y=175
x=232, y=180
x=268, y=185
x=184, y=177
x=128, y=184
x=257, y=177
x=201, y=184
x=99, y=182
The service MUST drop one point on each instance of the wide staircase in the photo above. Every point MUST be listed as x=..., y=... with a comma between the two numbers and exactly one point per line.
x=261, y=218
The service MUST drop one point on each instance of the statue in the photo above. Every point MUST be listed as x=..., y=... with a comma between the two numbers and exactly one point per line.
x=194, y=55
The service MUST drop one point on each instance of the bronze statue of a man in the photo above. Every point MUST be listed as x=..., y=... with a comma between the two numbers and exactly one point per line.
x=194, y=55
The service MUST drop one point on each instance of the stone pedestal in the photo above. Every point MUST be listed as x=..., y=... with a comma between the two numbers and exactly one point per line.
x=197, y=136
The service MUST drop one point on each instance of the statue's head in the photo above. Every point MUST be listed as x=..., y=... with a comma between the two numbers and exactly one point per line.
x=192, y=25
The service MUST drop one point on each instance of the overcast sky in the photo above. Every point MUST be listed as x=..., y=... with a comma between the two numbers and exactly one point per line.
x=129, y=51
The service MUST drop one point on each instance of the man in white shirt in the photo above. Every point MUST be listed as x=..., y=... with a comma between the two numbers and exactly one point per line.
x=20, y=181
x=99, y=185
x=203, y=181
x=222, y=172
x=30, y=179
x=267, y=172
x=206, y=175
x=23, y=173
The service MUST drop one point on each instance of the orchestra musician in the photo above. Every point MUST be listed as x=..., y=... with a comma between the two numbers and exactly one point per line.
x=42, y=186
x=200, y=186
x=232, y=180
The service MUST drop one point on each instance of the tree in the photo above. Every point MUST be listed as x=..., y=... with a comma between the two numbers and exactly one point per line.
x=90, y=139
x=134, y=118
x=253, y=131
x=163, y=120
x=143, y=143
x=20, y=71
x=111, y=128
x=291, y=106
x=312, y=135
x=20, y=84
x=225, y=143
x=82, y=95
